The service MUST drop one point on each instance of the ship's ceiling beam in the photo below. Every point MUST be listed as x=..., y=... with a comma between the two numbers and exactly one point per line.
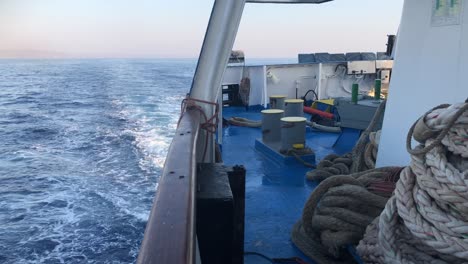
x=288, y=1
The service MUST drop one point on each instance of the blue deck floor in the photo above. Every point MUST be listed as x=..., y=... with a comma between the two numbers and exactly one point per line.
x=275, y=193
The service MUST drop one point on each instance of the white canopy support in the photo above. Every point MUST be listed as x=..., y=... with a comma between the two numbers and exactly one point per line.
x=216, y=50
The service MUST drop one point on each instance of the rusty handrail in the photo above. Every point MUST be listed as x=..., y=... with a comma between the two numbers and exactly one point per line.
x=170, y=230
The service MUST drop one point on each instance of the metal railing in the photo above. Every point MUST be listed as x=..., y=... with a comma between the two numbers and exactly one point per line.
x=170, y=231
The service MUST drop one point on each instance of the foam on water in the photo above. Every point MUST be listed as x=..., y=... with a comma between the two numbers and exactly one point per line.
x=83, y=144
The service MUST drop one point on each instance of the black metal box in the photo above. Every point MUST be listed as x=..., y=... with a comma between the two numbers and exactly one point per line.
x=220, y=213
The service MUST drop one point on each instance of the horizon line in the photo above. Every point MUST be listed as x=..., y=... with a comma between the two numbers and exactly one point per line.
x=113, y=58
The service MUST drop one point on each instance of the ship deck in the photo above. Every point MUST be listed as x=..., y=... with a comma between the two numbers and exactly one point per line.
x=275, y=193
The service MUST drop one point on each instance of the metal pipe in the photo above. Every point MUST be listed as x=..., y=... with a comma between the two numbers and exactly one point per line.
x=354, y=93
x=313, y=111
x=378, y=89
x=219, y=40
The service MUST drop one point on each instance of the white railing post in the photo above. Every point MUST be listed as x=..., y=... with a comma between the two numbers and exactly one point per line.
x=219, y=40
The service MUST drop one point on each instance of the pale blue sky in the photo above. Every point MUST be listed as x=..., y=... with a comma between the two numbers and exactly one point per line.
x=156, y=28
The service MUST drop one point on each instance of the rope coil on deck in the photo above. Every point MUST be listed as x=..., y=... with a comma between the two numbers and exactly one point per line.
x=426, y=221
x=342, y=165
x=361, y=158
x=338, y=212
x=346, y=201
x=244, y=122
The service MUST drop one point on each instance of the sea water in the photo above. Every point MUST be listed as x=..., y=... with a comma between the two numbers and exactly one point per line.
x=82, y=145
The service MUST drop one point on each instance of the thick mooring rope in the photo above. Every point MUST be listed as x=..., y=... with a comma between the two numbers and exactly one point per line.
x=338, y=212
x=342, y=165
x=370, y=153
x=361, y=158
x=359, y=150
x=240, y=121
x=426, y=221
x=346, y=201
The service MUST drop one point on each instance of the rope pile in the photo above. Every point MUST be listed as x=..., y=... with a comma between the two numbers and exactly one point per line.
x=338, y=212
x=342, y=165
x=346, y=201
x=370, y=153
x=426, y=221
x=361, y=158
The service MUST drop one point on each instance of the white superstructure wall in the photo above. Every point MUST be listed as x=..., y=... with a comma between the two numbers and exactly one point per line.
x=295, y=80
x=430, y=68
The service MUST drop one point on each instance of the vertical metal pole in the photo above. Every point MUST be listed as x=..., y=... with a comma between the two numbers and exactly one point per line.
x=265, y=96
x=354, y=94
x=219, y=40
x=378, y=89
x=319, y=80
x=220, y=115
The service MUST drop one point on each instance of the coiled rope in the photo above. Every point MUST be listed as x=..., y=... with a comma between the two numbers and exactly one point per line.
x=346, y=201
x=338, y=212
x=342, y=165
x=361, y=158
x=426, y=221
x=358, y=152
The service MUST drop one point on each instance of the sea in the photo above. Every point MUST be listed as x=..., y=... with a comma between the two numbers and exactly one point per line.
x=82, y=145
